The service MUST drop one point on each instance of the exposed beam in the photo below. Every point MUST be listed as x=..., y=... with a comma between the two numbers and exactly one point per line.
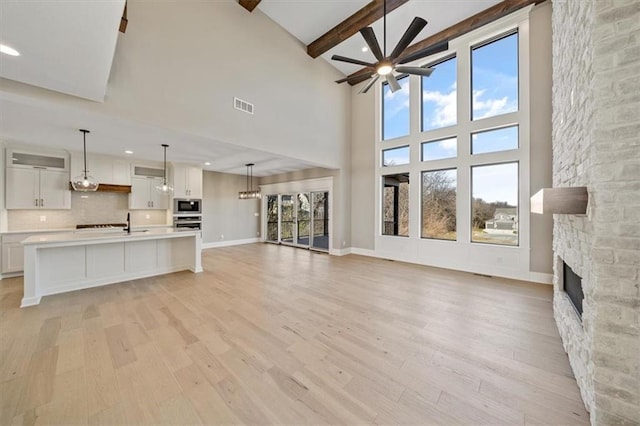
x=474, y=22
x=354, y=23
x=249, y=4
x=124, y=21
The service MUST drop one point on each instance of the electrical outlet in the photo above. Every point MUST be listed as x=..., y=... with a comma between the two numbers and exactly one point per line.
x=256, y=214
x=147, y=216
x=344, y=243
x=258, y=233
x=43, y=218
x=222, y=236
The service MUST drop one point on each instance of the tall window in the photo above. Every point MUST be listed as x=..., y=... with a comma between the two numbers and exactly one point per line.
x=494, y=140
x=440, y=149
x=395, y=205
x=439, y=96
x=495, y=204
x=395, y=156
x=466, y=145
x=439, y=204
x=494, y=77
x=395, y=110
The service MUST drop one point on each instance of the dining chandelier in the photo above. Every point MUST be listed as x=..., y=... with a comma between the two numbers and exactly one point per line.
x=250, y=193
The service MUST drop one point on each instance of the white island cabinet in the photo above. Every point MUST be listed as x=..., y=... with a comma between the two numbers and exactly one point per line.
x=60, y=263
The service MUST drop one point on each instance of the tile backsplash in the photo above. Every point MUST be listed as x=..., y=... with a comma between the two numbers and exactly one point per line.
x=95, y=207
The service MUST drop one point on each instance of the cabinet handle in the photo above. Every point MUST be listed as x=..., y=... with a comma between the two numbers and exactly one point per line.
x=36, y=202
x=41, y=202
x=152, y=204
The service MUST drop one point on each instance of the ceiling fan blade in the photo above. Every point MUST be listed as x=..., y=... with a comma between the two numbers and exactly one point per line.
x=393, y=83
x=431, y=50
x=352, y=61
x=426, y=72
x=412, y=32
x=355, y=77
x=370, y=37
x=371, y=82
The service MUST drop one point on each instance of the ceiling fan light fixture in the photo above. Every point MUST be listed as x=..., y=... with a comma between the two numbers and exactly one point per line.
x=84, y=182
x=387, y=64
x=384, y=68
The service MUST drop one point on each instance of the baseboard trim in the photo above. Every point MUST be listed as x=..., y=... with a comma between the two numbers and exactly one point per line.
x=536, y=277
x=11, y=275
x=340, y=252
x=218, y=244
x=363, y=252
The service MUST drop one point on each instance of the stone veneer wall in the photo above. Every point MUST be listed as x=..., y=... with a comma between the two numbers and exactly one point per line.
x=596, y=143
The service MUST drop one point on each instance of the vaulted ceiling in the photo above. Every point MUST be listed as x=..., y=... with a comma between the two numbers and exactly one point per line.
x=68, y=47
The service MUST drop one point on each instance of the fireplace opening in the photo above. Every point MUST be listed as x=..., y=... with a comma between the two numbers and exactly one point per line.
x=573, y=287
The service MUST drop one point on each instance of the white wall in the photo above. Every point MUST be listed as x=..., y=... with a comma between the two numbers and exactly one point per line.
x=540, y=152
x=362, y=169
x=225, y=218
x=180, y=64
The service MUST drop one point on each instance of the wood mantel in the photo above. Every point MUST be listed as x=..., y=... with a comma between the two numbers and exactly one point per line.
x=570, y=200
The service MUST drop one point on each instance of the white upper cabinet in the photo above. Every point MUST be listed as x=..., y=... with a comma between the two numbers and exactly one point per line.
x=36, y=180
x=144, y=194
x=187, y=181
x=105, y=169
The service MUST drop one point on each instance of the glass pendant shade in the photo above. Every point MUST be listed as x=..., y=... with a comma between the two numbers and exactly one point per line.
x=84, y=182
x=165, y=188
x=250, y=193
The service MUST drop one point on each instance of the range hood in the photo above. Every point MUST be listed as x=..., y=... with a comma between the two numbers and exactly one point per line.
x=106, y=187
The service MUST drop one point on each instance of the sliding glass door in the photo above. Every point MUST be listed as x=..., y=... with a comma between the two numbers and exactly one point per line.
x=272, y=219
x=303, y=216
x=287, y=219
x=300, y=220
x=320, y=223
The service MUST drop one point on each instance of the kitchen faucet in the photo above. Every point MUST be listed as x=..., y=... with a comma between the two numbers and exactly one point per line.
x=128, y=228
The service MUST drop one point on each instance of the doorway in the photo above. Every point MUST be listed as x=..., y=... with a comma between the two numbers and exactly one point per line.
x=300, y=219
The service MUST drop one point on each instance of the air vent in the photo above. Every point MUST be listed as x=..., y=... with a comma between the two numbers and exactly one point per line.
x=243, y=105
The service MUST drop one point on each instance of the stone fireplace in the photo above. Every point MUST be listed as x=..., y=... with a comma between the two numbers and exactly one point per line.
x=572, y=286
x=596, y=123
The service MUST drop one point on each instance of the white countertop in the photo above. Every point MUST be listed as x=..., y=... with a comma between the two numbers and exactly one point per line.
x=63, y=230
x=111, y=236
x=38, y=231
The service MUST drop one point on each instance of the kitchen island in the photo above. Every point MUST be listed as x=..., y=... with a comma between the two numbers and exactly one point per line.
x=59, y=263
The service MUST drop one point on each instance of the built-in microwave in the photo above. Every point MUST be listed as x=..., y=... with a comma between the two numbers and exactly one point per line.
x=187, y=206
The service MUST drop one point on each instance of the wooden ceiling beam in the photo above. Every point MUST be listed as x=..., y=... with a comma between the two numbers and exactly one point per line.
x=249, y=4
x=476, y=21
x=354, y=23
x=124, y=21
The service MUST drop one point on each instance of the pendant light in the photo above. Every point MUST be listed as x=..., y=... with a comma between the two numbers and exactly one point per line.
x=165, y=188
x=250, y=193
x=84, y=182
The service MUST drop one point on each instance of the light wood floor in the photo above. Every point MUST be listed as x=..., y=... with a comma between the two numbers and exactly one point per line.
x=272, y=334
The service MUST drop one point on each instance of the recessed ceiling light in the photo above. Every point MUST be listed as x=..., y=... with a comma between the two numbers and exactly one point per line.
x=9, y=50
x=128, y=152
x=365, y=49
x=207, y=163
